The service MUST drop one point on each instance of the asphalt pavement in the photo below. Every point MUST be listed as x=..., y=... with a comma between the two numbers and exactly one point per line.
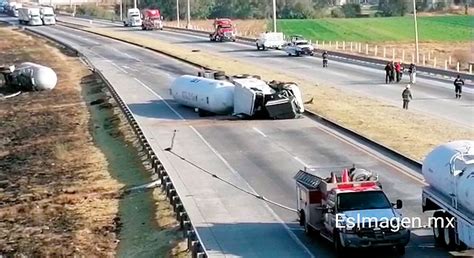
x=433, y=96
x=258, y=156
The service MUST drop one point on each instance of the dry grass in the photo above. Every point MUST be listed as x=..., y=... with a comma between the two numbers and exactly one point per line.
x=411, y=133
x=56, y=195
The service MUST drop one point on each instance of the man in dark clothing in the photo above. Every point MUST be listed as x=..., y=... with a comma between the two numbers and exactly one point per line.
x=412, y=73
x=387, y=73
x=325, y=59
x=406, y=96
x=458, y=83
x=392, y=72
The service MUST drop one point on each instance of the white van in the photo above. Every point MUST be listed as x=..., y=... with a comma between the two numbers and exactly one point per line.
x=30, y=16
x=270, y=40
x=47, y=15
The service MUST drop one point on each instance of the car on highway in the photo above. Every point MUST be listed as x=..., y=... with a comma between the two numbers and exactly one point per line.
x=298, y=46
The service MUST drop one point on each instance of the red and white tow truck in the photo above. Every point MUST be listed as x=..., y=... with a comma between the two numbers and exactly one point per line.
x=348, y=208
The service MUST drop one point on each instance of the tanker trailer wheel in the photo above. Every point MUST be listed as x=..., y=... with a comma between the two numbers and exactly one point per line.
x=438, y=232
x=449, y=237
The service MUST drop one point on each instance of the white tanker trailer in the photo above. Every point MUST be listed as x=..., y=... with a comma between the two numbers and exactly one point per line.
x=449, y=172
x=243, y=96
x=30, y=76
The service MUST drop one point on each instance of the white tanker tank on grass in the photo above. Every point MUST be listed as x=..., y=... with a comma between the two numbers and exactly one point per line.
x=449, y=172
x=34, y=76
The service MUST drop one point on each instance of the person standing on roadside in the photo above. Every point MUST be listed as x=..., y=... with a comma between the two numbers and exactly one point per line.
x=392, y=72
x=412, y=73
x=325, y=59
x=406, y=96
x=387, y=73
x=398, y=68
x=458, y=83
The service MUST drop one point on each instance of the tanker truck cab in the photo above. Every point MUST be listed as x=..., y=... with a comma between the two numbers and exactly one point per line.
x=349, y=209
x=133, y=18
x=223, y=30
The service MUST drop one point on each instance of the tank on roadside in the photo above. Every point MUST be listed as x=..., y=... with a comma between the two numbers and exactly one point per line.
x=30, y=16
x=449, y=171
x=31, y=77
x=47, y=15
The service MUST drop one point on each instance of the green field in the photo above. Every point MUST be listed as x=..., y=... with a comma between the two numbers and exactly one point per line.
x=400, y=29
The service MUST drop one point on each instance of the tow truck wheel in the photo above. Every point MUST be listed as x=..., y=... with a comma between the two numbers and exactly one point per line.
x=438, y=233
x=449, y=238
x=263, y=47
x=400, y=249
x=340, y=250
x=258, y=47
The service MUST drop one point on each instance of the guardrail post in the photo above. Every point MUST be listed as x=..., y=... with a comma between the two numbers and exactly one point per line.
x=367, y=49
x=384, y=52
x=351, y=46
x=317, y=43
x=337, y=44
x=429, y=55
x=323, y=43
x=424, y=59
x=434, y=62
x=330, y=44
x=403, y=55
x=393, y=54
x=457, y=67
x=344, y=45
x=450, y=63
x=470, y=68
x=446, y=64
x=375, y=50
x=360, y=47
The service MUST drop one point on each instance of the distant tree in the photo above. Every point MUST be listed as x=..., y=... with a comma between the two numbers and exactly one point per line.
x=351, y=10
x=392, y=7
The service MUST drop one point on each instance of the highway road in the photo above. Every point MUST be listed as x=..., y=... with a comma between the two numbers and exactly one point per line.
x=432, y=96
x=260, y=156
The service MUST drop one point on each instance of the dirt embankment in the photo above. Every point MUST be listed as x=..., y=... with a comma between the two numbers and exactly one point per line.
x=413, y=134
x=56, y=195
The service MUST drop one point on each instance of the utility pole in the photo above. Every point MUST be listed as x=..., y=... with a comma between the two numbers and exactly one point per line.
x=121, y=11
x=134, y=3
x=177, y=12
x=188, y=22
x=274, y=16
x=416, y=33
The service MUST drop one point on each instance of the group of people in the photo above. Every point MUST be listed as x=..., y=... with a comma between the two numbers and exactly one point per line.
x=394, y=71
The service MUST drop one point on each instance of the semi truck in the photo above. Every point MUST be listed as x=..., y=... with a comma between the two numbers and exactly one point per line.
x=30, y=16
x=223, y=30
x=349, y=208
x=47, y=15
x=243, y=96
x=449, y=171
x=152, y=19
x=133, y=18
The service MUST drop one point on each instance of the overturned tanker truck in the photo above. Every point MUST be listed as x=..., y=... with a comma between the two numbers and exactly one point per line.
x=29, y=77
x=244, y=96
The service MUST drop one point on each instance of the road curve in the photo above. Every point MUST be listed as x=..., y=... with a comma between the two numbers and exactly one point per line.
x=256, y=155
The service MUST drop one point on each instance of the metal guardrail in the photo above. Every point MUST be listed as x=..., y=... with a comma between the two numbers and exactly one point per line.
x=195, y=244
x=415, y=164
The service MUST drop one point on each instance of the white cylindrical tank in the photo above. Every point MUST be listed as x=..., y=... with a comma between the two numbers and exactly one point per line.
x=437, y=171
x=214, y=96
x=40, y=77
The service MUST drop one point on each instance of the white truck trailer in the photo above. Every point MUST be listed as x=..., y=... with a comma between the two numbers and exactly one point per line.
x=244, y=96
x=47, y=15
x=449, y=172
x=133, y=18
x=30, y=16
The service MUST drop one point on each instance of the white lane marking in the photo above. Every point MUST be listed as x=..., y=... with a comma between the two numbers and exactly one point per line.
x=120, y=68
x=132, y=57
x=260, y=132
x=287, y=228
x=300, y=161
x=164, y=101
